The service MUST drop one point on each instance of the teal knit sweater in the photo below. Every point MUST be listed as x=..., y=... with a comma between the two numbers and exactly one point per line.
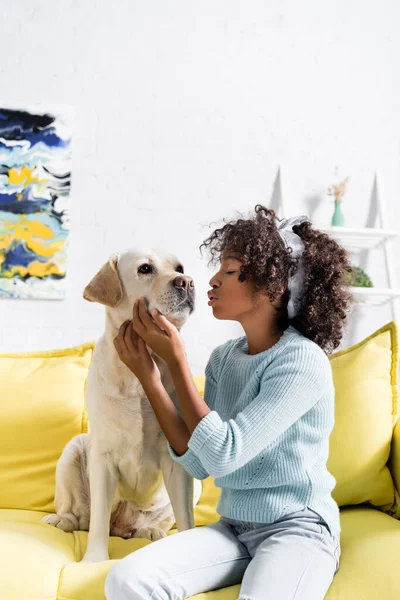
x=266, y=439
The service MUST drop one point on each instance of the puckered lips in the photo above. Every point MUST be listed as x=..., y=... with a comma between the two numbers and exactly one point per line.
x=212, y=297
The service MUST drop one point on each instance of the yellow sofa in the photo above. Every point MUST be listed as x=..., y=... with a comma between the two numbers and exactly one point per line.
x=42, y=402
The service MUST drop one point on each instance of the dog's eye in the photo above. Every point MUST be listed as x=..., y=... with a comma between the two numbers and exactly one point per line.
x=179, y=268
x=145, y=269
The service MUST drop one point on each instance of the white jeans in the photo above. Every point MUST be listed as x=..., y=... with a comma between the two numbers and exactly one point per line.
x=295, y=557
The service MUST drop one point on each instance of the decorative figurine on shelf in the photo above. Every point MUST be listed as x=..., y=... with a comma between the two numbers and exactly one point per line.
x=338, y=191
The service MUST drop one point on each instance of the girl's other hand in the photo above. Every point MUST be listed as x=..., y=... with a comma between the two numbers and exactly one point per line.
x=131, y=349
x=160, y=335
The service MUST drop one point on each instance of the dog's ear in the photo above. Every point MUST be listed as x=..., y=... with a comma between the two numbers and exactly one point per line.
x=105, y=287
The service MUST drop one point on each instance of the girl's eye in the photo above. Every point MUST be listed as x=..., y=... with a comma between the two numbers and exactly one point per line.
x=229, y=272
x=145, y=269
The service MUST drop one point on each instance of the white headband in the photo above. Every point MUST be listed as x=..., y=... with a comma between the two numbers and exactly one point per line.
x=294, y=241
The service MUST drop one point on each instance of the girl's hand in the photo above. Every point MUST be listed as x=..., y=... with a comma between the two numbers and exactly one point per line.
x=161, y=336
x=132, y=351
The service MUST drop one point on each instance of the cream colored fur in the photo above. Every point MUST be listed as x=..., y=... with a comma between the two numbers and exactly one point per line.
x=119, y=479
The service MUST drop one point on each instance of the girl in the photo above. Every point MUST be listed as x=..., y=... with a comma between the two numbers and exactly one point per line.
x=262, y=430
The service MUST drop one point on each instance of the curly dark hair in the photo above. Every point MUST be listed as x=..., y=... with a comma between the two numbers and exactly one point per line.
x=327, y=298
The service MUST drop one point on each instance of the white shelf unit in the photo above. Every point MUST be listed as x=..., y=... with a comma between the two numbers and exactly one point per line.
x=375, y=296
x=365, y=239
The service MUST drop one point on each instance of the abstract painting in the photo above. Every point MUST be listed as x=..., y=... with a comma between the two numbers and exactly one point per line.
x=35, y=181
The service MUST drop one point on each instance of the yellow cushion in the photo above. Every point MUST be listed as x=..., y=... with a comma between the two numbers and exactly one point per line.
x=365, y=379
x=42, y=562
x=42, y=408
x=366, y=406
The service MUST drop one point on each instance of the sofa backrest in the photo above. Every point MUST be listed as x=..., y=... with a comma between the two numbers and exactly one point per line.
x=43, y=407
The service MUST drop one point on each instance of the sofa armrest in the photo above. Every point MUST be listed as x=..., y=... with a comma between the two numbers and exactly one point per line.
x=394, y=457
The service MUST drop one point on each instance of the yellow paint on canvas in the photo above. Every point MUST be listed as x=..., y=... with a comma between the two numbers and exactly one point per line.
x=35, y=269
x=40, y=230
x=33, y=233
x=39, y=269
x=5, y=241
x=23, y=175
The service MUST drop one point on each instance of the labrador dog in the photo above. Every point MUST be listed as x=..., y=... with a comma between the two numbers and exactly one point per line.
x=120, y=479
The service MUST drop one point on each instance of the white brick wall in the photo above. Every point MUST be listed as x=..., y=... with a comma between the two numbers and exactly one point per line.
x=184, y=110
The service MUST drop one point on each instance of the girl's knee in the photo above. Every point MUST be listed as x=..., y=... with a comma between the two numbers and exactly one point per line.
x=114, y=587
x=118, y=587
x=129, y=581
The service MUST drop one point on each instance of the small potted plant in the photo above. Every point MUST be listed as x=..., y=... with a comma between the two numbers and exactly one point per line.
x=338, y=192
x=359, y=278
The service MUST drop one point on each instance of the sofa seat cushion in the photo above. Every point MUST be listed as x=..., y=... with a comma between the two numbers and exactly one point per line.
x=39, y=562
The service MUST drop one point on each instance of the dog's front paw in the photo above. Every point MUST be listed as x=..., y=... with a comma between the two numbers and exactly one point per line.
x=59, y=522
x=150, y=533
x=92, y=557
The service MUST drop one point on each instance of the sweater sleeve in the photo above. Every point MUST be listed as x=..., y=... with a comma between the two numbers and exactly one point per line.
x=290, y=386
x=189, y=460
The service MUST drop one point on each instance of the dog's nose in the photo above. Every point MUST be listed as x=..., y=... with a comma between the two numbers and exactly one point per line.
x=184, y=281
